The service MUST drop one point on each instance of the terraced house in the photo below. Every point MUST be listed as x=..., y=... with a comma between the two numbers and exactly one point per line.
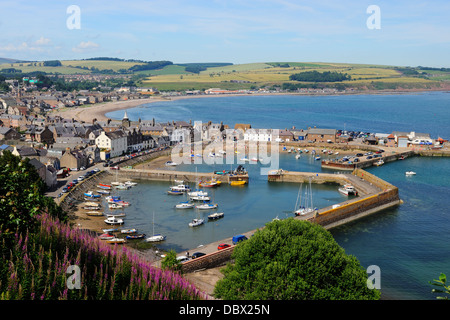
x=112, y=144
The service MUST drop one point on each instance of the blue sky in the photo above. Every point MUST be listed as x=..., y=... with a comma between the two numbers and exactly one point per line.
x=412, y=32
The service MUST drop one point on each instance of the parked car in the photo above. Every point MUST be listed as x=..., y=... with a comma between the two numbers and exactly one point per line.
x=83, y=168
x=198, y=254
x=223, y=246
x=114, y=168
x=359, y=154
x=96, y=170
x=182, y=258
x=81, y=178
x=73, y=169
x=238, y=238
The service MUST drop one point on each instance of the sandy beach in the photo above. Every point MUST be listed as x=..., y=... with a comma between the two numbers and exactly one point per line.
x=98, y=111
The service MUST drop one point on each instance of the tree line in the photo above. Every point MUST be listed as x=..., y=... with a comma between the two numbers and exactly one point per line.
x=316, y=76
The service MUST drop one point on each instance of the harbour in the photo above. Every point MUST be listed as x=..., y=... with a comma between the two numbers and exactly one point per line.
x=404, y=240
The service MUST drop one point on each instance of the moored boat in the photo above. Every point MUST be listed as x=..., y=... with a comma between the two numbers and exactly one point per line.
x=175, y=192
x=106, y=236
x=91, y=194
x=104, y=186
x=410, y=173
x=116, y=240
x=180, y=187
x=200, y=198
x=133, y=230
x=238, y=183
x=115, y=206
x=156, y=238
x=135, y=236
x=113, y=221
x=347, y=189
x=184, y=205
x=196, y=222
x=94, y=213
x=207, y=206
x=216, y=215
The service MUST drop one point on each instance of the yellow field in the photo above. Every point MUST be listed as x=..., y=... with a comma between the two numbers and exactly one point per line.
x=265, y=73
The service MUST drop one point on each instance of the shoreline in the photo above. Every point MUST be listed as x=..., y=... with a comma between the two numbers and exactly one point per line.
x=98, y=111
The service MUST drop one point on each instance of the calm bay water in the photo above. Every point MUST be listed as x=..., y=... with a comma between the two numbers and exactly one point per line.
x=409, y=243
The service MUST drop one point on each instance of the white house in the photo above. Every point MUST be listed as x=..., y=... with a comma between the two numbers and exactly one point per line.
x=115, y=142
x=258, y=135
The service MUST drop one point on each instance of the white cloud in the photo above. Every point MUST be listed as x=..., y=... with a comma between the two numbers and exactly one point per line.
x=42, y=41
x=85, y=46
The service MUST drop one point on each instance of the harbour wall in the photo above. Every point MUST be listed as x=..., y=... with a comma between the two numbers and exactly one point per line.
x=169, y=175
x=329, y=164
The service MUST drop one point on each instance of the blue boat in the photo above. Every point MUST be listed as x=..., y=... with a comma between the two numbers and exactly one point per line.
x=91, y=194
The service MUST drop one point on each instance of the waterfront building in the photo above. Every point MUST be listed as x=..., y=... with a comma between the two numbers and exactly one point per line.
x=321, y=135
x=115, y=142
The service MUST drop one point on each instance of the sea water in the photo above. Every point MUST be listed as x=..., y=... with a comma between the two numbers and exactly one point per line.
x=409, y=243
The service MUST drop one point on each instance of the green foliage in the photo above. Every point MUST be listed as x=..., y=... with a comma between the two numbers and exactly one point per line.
x=34, y=268
x=293, y=260
x=170, y=262
x=441, y=283
x=316, y=76
x=52, y=63
x=22, y=196
x=152, y=65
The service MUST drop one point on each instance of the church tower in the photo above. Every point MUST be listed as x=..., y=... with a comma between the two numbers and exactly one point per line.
x=125, y=121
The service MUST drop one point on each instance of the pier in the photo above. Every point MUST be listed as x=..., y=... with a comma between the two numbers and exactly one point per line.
x=351, y=165
x=172, y=175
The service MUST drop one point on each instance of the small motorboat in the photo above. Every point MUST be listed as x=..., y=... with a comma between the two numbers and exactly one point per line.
x=104, y=186
x=116, y=240
x=175, y=192
x=297, y=156
x=410, y=173
x=379, y=163
x=115, y=206
x=128, y=231
x=94, y=213
x=347, y=189
x=130, y=183
x=200, y=198
x=216, y=215
x=106, y=236
x=171, y=163
x=197, y=193
x=113, y=221
x=103, y=191
x=180, y=187
x=184, y=205
x=91, y=194
x=238, y=183
x=196, y=222
x=135, y=236
x=117, y=215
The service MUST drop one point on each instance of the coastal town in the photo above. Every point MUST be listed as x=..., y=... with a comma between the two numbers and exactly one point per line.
x=34, y=125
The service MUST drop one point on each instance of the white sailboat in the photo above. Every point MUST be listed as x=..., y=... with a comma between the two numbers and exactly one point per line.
x=207, y=206
x=304, y=205
x=155, y=237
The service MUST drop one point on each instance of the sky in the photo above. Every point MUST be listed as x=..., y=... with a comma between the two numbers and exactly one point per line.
x=408, y=33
